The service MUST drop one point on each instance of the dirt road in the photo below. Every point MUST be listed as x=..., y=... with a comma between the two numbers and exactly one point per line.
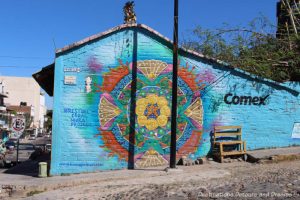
x=237, y=180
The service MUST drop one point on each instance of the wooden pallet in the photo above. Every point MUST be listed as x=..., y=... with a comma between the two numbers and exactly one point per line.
x=227, y=141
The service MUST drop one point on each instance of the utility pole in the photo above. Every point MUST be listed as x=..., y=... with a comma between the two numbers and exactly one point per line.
x=174, y=89
x=18, y=142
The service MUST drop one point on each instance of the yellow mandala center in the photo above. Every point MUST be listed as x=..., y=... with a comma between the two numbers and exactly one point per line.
x=152, y=112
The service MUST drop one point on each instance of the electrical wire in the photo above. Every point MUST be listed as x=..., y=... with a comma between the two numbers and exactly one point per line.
x=1, y=66
x=23, y=57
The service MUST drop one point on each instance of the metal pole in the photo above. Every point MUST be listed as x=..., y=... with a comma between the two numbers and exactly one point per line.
x=133, y=103
x=18, y=142
x=174, y=89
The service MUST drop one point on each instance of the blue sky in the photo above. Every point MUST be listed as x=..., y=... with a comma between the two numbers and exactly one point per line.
x=32, y=29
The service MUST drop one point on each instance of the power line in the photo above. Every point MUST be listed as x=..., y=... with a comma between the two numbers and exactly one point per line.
x=19, y=66
x=24, y=57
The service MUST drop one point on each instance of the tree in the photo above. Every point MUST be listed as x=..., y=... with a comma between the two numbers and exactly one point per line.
x=255, y=49
x=48, y=122
x=28, y=120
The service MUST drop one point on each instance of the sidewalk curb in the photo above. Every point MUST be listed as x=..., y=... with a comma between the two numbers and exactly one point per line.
x=280, y=158
x=21, y=191
x=273, y=158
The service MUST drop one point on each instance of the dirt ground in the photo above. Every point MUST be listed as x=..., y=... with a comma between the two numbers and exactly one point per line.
x=236, y=180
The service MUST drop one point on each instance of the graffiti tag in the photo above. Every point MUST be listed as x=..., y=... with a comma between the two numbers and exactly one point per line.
x=245, y=100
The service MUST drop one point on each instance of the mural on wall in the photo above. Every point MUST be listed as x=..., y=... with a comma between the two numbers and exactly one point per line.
x=93, y=97
x=153, y=113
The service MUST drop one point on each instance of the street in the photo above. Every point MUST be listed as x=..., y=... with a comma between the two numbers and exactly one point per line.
x=226, y=181
x=24, y=154
x=212, y=180
x=38, y=141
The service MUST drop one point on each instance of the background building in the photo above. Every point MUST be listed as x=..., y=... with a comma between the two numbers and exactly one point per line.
x=3, y=111
x=288, y=18
x=4, y=115
x=24, y=94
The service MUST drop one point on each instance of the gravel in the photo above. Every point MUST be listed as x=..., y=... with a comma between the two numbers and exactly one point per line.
x=236, y=180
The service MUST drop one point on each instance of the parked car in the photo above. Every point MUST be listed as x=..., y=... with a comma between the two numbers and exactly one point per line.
x=40, y=134
x=25, y=150
x=48, y=147
x=11, y=143
x=32, y=137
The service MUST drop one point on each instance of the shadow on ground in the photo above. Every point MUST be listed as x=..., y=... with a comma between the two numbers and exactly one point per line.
x=31, y=166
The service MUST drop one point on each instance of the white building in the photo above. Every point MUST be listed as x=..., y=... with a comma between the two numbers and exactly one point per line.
x=3, y=114
x=25, y=90
x=42, y=108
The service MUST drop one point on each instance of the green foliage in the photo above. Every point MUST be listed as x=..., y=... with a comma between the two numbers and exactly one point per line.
x=14, y=112
x=34, y=192
x=255, y=49
x=48, y=122
x=28, y=120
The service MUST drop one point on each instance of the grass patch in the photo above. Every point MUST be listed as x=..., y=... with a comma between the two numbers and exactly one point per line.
x=34, y=192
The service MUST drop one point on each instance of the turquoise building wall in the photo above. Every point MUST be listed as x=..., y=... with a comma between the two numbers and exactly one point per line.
x=92, y=93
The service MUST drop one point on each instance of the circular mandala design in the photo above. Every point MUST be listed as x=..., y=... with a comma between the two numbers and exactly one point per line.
x=153, y=103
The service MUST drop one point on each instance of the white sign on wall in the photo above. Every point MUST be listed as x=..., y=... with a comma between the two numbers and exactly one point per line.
x=72, y=69
x=70, y=80
x=296, y=130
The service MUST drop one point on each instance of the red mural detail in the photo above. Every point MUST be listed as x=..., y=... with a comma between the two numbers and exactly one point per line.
x=181, y=127
x=189, y=78
x=163, y=145
x=112, y=78
x=190, y=145
x=113, y=145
